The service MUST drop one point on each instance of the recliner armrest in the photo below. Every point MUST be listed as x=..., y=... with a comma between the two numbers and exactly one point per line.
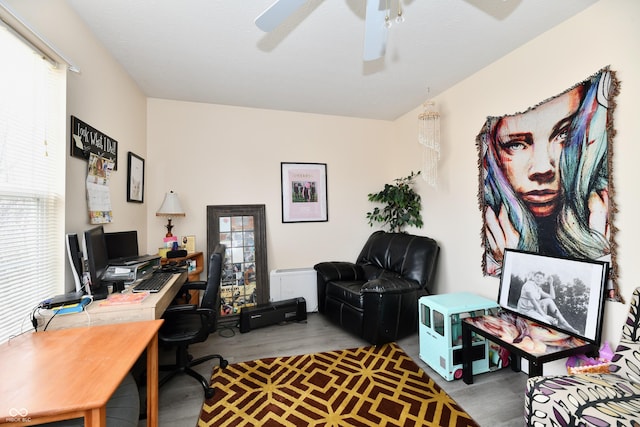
x=385, y=285
x=339, y=270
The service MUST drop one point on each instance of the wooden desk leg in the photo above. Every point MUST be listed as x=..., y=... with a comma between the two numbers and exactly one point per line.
x=467, y=362
x=152, y=382
x=96, y=417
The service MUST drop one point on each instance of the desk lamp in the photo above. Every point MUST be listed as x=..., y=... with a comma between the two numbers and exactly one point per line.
x=170, y=208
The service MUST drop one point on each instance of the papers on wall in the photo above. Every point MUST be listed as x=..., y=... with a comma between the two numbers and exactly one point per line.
x=98, y=199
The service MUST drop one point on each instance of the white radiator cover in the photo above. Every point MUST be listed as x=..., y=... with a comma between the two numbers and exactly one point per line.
x=290, y=283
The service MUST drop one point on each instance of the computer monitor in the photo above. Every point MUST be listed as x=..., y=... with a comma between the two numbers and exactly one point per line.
x=97, y=259
x=122, y=245
x=75, y=259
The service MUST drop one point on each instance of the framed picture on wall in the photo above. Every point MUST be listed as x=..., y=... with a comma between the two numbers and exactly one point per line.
x=304, y=192
x=135, y=178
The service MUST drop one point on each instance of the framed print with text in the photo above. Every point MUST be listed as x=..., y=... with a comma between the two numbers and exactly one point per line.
x=304, y=192
x=135, y=178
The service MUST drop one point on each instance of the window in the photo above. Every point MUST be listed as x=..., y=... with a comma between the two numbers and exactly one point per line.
x=32, y=177
x=438, y=322
x=425, y=315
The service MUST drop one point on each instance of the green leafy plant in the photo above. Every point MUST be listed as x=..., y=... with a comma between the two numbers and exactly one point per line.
x=402, y=205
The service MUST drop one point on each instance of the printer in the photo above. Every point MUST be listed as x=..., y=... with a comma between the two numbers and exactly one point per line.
x=124, y=262
x=131, y=270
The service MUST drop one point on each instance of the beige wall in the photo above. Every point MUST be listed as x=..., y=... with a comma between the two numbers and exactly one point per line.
x=103, y=96
x=604, y=34
x=216, y=155
x=213, y=154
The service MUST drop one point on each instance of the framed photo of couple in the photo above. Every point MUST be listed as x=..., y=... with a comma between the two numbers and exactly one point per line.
x=563, y=293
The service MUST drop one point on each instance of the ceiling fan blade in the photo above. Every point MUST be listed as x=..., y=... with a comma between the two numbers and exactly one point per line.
x=375, y=32
x=275, y=14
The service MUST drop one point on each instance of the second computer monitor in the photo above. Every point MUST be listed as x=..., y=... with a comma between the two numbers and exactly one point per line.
x=97, y=259
x=122, y=244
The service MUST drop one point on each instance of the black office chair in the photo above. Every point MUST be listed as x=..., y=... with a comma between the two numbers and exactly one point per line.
x=188, y=324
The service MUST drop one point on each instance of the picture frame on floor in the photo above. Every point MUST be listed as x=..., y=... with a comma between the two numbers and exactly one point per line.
x=566, y=294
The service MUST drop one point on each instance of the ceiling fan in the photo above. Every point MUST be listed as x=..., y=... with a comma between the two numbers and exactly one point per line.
x=375, y=31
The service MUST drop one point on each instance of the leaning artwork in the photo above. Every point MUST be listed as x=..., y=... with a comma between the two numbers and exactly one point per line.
x=563, y=293
x=545, y=181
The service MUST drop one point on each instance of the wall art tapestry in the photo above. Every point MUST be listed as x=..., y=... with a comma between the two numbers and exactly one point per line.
x=545, y=181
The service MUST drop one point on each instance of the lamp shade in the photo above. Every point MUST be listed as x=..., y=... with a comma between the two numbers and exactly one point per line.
x=170, y=206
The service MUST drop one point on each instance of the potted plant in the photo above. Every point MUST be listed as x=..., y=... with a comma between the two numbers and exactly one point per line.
x=402, y=205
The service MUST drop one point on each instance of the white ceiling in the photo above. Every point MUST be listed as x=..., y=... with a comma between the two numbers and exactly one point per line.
x=210, y=50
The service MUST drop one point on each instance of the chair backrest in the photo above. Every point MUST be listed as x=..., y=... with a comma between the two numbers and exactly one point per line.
x=412, y=257
x=626, y=360
x=211, y=296
x=631, y=328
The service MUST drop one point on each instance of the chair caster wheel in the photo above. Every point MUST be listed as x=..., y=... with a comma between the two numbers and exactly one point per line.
x=208, y=393
x=224, y=363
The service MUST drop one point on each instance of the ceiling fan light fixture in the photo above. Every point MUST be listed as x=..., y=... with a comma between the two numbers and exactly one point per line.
x=378, y=20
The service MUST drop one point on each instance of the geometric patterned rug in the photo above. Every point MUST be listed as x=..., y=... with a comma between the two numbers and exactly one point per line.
x=368, y=386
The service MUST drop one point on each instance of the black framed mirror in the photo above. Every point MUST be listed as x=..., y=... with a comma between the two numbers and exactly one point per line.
x=245, y=278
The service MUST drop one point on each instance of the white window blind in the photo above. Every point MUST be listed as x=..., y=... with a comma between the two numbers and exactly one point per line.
x=32, y=177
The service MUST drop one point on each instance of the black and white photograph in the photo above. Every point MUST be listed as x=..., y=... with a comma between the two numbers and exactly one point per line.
x=566, y=294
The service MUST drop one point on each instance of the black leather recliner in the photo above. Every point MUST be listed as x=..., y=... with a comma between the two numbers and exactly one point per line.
x=376, y=297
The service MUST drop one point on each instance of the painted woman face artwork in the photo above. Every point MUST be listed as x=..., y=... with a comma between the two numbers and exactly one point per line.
x=545, y=176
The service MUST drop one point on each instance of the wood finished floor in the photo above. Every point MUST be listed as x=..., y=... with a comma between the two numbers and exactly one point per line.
x=495, y=399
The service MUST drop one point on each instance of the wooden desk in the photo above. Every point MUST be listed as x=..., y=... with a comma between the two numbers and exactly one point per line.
x=194, y=275
x=72, y=373
x=198, y=257
x=151, y=308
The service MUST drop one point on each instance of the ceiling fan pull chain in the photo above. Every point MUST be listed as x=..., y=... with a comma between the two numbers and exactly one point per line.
x=400, y=17
x=387, y=18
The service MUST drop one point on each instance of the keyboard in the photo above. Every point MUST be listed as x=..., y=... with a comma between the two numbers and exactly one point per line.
x=154, y=283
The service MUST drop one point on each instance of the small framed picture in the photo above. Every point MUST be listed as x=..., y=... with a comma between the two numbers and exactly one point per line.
x=564, y=293
x=135, y=178
x=304, y=192
x=189, y=243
